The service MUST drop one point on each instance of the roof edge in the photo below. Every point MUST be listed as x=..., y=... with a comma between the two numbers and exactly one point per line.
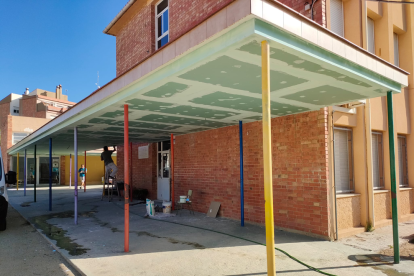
x=118, y=16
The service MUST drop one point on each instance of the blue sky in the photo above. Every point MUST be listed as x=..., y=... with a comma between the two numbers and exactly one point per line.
x=44, y=43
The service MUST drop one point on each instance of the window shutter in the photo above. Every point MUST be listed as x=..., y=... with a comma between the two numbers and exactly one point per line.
x=341, y=155
x=375, y=162
x=337, y=17
x=396, y=53
x=371, y=35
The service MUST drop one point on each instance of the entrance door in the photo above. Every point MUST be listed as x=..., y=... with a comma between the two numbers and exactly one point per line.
x=163, y=171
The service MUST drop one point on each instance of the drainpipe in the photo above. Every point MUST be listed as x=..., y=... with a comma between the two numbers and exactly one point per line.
x=333, y=161
x=313, y=3
x=368, y=148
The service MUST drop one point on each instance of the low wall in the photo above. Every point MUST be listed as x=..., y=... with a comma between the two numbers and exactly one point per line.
x=349, y=211
x=406, y=201
x=382, y=205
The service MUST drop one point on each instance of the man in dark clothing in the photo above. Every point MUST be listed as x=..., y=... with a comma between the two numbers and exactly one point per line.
x=109, y=163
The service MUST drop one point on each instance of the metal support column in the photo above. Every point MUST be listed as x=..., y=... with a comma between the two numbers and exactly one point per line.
x=393, y=179
x=25, y=171
x=172, y=171
x=241, y=174
x=126, y=179
x=130, y=172
x=267, y=160
x=70, y=170
x=17, y=173
x=50, y=174
x=84, y=187
x=35, y=173
x=75, y=140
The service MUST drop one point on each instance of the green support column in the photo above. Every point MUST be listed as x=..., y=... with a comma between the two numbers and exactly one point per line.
x=393, y=180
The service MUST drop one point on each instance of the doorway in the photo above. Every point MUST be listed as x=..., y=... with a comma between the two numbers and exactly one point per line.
x=163, y=170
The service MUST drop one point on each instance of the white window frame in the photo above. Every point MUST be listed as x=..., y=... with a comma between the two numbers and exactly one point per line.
x=400, y=158
x=372, y=51
x=343, y=19
x=380, y=160
x=156, y=23
x=396, y=50
x=352, y=178
x=13, y=137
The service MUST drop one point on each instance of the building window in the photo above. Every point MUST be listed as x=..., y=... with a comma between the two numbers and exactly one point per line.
x=371, y=35
x=18, y=136
x=161, y=23
x=396, y=52
x=377, y=161
x=402, y=160
x=344, y=167
x=15, y=110
x=337, y=17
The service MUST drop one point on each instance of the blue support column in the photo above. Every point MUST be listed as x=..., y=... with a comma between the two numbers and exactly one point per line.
x=25, y=171
x=75, y=138
x=241, y=174
x=50, y=174
x=35, y=173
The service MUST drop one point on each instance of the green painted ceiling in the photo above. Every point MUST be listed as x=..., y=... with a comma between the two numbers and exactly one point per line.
x=218, y=91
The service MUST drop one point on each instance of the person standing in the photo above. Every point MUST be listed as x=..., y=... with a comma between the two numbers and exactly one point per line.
x=82, y=173
x=106, y=156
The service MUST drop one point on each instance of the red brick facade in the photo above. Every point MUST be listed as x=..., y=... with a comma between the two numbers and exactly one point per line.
x=208, y=163
x=143, y=171
x=136, y=40
x=186, y=14
x=319, y=12
x=6, y=132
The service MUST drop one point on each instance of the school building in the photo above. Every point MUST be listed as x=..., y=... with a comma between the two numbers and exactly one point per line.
x=195, y=69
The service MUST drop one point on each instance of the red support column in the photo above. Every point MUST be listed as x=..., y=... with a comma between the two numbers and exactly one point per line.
x=130, y=172
x=84, y=187
x=126, y=179
x=172, y=171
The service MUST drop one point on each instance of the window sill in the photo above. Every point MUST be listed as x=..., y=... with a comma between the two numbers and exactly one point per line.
x=347, y=195
x=405, y=188
x=381, y=191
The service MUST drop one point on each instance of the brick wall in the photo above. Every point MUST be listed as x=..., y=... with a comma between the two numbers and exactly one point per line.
x=208, y=163
x=143, y=171
x=186, y=14
x=318, y=10
x=6, y=132
x=136, y=40
x=28, y=106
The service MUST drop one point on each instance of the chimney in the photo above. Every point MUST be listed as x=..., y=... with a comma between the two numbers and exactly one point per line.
x=26, y=92
x=58, y=94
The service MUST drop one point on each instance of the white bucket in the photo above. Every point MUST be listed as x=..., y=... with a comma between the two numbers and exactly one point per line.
x=166, y=207
x=183, y=199
x=147, y=205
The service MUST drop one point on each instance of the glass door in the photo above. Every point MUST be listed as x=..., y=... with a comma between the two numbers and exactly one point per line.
x=163, y=170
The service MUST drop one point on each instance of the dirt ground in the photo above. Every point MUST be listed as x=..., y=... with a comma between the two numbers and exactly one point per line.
x=380, y=241
x=406, y=248
x=23, y=251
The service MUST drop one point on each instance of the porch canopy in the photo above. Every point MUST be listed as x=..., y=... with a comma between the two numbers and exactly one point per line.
x=211, y=78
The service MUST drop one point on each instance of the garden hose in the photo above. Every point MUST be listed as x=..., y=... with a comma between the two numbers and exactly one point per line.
x=240, y=238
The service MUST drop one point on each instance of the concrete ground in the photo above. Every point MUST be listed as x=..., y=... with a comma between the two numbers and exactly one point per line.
x=23, y=251
x=177, y=245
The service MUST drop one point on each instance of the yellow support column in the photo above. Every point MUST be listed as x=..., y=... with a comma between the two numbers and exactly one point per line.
x=267, y=160
x=17, y=172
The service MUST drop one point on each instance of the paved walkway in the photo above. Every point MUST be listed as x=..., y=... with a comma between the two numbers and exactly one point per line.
x=23, y=251
x=95, y=245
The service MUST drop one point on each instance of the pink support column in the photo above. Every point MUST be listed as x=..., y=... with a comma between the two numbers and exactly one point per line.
x=126, y=179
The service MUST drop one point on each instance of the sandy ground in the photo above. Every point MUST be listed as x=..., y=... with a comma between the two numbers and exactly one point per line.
x=380, y=241
x=23, y=251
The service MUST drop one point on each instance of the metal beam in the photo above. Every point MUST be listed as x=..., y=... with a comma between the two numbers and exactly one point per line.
x=70, y=170
x=25, y=171
x=126, y=179
x=241, y=174
x=267, y=160
x=393, y=179
x=75, y=141
x=35, y=173
x=172, y=171
x=50, y=174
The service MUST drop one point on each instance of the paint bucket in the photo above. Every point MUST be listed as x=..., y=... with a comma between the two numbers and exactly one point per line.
x=166, y=207
x=183, y=199
x=147, y=205
x=151, y=208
